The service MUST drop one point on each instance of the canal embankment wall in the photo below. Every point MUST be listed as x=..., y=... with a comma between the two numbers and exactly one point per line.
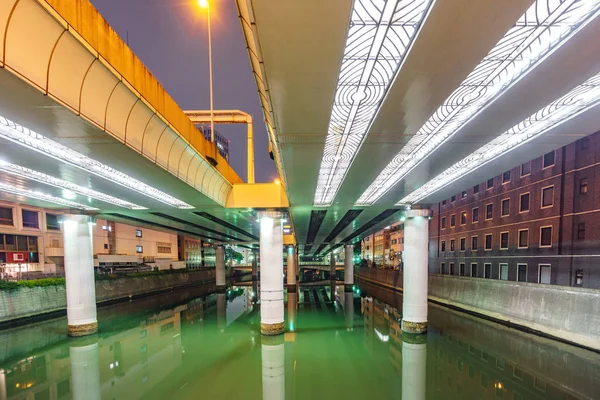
x=565, y=313
x=27, y=303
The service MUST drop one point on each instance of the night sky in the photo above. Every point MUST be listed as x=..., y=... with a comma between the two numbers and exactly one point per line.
x=170, y=37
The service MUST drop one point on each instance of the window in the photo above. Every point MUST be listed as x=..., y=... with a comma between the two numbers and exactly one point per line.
x=581, y=231
x=463, y=194
x=487, y=270
x=461, y=269
x=504, y=271
x=489, y=211
x=451, y=268
x=526, y=169
x=474, y=270
x=443, y=202
x=6, y=216
x=30, y=219
x=21, y=243
x=443, y=222
x=453, y=198
x=524, y=202
x=138, y=233
x=548, y=159
x=463, y=217
x=463, y=244
x=105, y=246
x=442, y=267
x=488, y=241
x=163, y=247
x=139, y=249
x=52, y=222
x=544, y=274
x=505, y=209
x=523, y=238
x=475, y=215
x=475, y=189
x=522, y=272
x=506, y=177
x=490, y=183
x=546, y=236
x=585, y=143
x=452, y=221
x=451, y=244
x=11, y=242
x=443, y=245
x=547, y=196
x=474, y=243
x=504, y=241
x=32, y=243
x=583, y=186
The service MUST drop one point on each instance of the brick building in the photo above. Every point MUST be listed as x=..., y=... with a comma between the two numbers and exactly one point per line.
x=538, y=222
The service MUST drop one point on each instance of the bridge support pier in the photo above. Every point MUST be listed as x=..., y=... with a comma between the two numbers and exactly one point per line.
x=220, y=268
x=254, y=268
x=414, y=302
x=291, y=269
x=332, y=267
x=348, y=267
x=79, y=275
x=271, y=274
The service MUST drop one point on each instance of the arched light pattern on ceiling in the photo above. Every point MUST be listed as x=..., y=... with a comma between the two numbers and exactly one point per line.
x=4, y=187
x=578, y=100
x=37, y=176
x=34, y=141
x=380, y=34
x=544, y=27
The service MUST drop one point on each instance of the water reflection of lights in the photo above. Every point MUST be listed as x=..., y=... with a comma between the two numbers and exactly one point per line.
x=382, y=337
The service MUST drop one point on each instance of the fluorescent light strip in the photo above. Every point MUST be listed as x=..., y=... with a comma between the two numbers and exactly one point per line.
x=34, y=141
x=27, y=173
x=578, y=100
x=545, y=26
x=380, y=35
x=43, y=196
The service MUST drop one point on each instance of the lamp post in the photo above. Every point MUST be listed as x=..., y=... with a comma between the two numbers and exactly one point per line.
x=204, y=4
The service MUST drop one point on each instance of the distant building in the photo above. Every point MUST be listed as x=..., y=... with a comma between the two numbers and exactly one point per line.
x=385, y=247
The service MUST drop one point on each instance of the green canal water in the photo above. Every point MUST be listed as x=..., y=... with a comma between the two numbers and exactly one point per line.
x=195, y=344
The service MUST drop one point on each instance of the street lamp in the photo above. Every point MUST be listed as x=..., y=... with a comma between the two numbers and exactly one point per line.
x=206, y=5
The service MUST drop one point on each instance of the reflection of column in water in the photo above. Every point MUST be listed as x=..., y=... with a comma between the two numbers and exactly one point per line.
x=221, y=311
x=349, y=310
x=256, y=292
x=292, y=300
x=85, y=371
x=414, y=369
x=2, y=384
x=273, y=368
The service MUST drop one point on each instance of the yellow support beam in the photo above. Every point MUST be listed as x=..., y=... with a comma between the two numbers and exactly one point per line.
x=257, y=195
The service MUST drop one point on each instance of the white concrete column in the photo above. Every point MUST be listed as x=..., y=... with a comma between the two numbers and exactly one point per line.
x=271, y=274
x=220, y=268
x=348, y=267
x=291, y=269
x=414, y=370
x=414, y=297
x=85, y=372
x=79, y=275
x=273, y=368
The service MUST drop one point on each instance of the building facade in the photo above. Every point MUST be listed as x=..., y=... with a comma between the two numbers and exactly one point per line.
x=385, y=247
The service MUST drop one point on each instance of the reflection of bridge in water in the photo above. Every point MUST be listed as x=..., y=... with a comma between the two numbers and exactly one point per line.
x=308, y=274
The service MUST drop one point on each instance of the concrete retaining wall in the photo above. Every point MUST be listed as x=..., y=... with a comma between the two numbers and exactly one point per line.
x=567, y=313
x=28, y=302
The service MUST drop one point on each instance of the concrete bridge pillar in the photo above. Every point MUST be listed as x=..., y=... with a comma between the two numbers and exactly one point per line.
x=291, y=269
x=332, y=267
x=348, y=267
x=271, y=273
x=414, y=367
x=220, y=268
x=414, y=302
x=85, y=370
x=254, y=267
x=79, y=275
x=273, y=368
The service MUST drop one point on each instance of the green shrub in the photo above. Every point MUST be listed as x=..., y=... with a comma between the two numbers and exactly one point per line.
x=45, y=282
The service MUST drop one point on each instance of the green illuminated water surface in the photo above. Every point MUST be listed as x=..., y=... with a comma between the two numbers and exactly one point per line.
x=194, y=344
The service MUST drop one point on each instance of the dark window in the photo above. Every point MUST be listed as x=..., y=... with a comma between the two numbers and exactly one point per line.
x=487, y=270
x=548, y=196
x=524, y=238
x=463, y=194
x=581, y=231
x=504, y=240
x=475, y=216
x=11, y=242
x=30, y=219
x=33, y=241
x=524, y=200
x=505, y=207
x=585, y=143
x=451, y=244
x=549, y=159
x=443, y=202
x=463, y=217
x=22, y=243
x=490, y=183
x=452, y=221
x=474, y=243
x=443, y=222
x=526, y=168
x=488, y=242
x=443, y=245
x=105, y=246
x=489, y=211
x=474, y=270
x=583, y=186
x=52, y=222
x=442, y=268
x=522, y=272
x=546, y=236
x=6, y=216
x=462, y=269
x=475, y=189
x=463, y=244
x=453, y=198
x=138, y=233
x=139, y=249
x=451, y=268
x=506, y=177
